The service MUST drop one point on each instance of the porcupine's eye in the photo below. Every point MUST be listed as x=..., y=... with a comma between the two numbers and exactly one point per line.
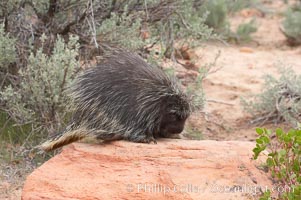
x=173, y=116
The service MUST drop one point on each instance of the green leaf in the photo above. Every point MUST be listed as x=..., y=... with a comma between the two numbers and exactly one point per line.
x=272, y=154
x=298, y=133
x=296, y=165
x=259, y=141
x=282, y=152
x=298, y=140
x=287, y=139
x=256, y=153
x=279, y=132
x=265, y=139
x=270, y=162
x=259, y=131
x=291, y=133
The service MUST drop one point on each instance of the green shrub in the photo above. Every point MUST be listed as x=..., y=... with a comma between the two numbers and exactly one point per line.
x=217, y=17
x=244, y=31
x=279, y=100
x=40, y=98
x=284, y=160
x=291, y=26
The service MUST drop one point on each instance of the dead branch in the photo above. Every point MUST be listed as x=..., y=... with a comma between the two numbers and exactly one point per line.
x=220, y=102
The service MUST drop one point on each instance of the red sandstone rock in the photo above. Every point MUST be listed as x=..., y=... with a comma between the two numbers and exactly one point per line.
x=171, y=169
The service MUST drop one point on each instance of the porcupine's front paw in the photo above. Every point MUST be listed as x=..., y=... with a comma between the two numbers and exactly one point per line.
x=143, y=139
x=150, y=140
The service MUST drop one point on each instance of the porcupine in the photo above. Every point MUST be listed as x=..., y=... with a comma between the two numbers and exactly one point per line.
x=124, y=98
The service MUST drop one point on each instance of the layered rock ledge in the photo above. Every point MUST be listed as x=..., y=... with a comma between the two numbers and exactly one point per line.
x=171, y=169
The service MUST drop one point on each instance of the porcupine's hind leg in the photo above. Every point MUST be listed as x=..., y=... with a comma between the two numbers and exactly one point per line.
x=106, y=136
x=101, y=135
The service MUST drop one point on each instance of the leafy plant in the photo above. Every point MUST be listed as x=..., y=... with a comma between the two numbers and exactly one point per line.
x=284, y=160
x=279, y=100
x=291, y=26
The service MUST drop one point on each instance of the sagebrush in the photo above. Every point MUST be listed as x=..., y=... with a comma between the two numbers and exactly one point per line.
x=8, y=57
x=40, y=98
x=7, y=49
x=138, y=25
x=279, y=100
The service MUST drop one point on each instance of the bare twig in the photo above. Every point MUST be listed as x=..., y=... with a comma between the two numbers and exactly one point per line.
x=146, y=11
x=220, y=102
x=186, y=25
x=52, y=8
x=3, y=81
x=92, y=25
x=264, y=119
x=210, y=66
x=67, y=27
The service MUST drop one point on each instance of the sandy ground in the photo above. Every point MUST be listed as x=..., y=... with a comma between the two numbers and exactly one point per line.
x=240, y=76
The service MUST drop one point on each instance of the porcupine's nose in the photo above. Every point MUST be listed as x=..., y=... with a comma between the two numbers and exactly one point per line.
x=176, y=129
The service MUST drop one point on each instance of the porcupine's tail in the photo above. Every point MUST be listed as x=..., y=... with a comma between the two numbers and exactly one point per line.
x=63, y=138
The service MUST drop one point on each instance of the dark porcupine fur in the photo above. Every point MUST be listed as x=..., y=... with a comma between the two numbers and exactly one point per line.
x=124, y=98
